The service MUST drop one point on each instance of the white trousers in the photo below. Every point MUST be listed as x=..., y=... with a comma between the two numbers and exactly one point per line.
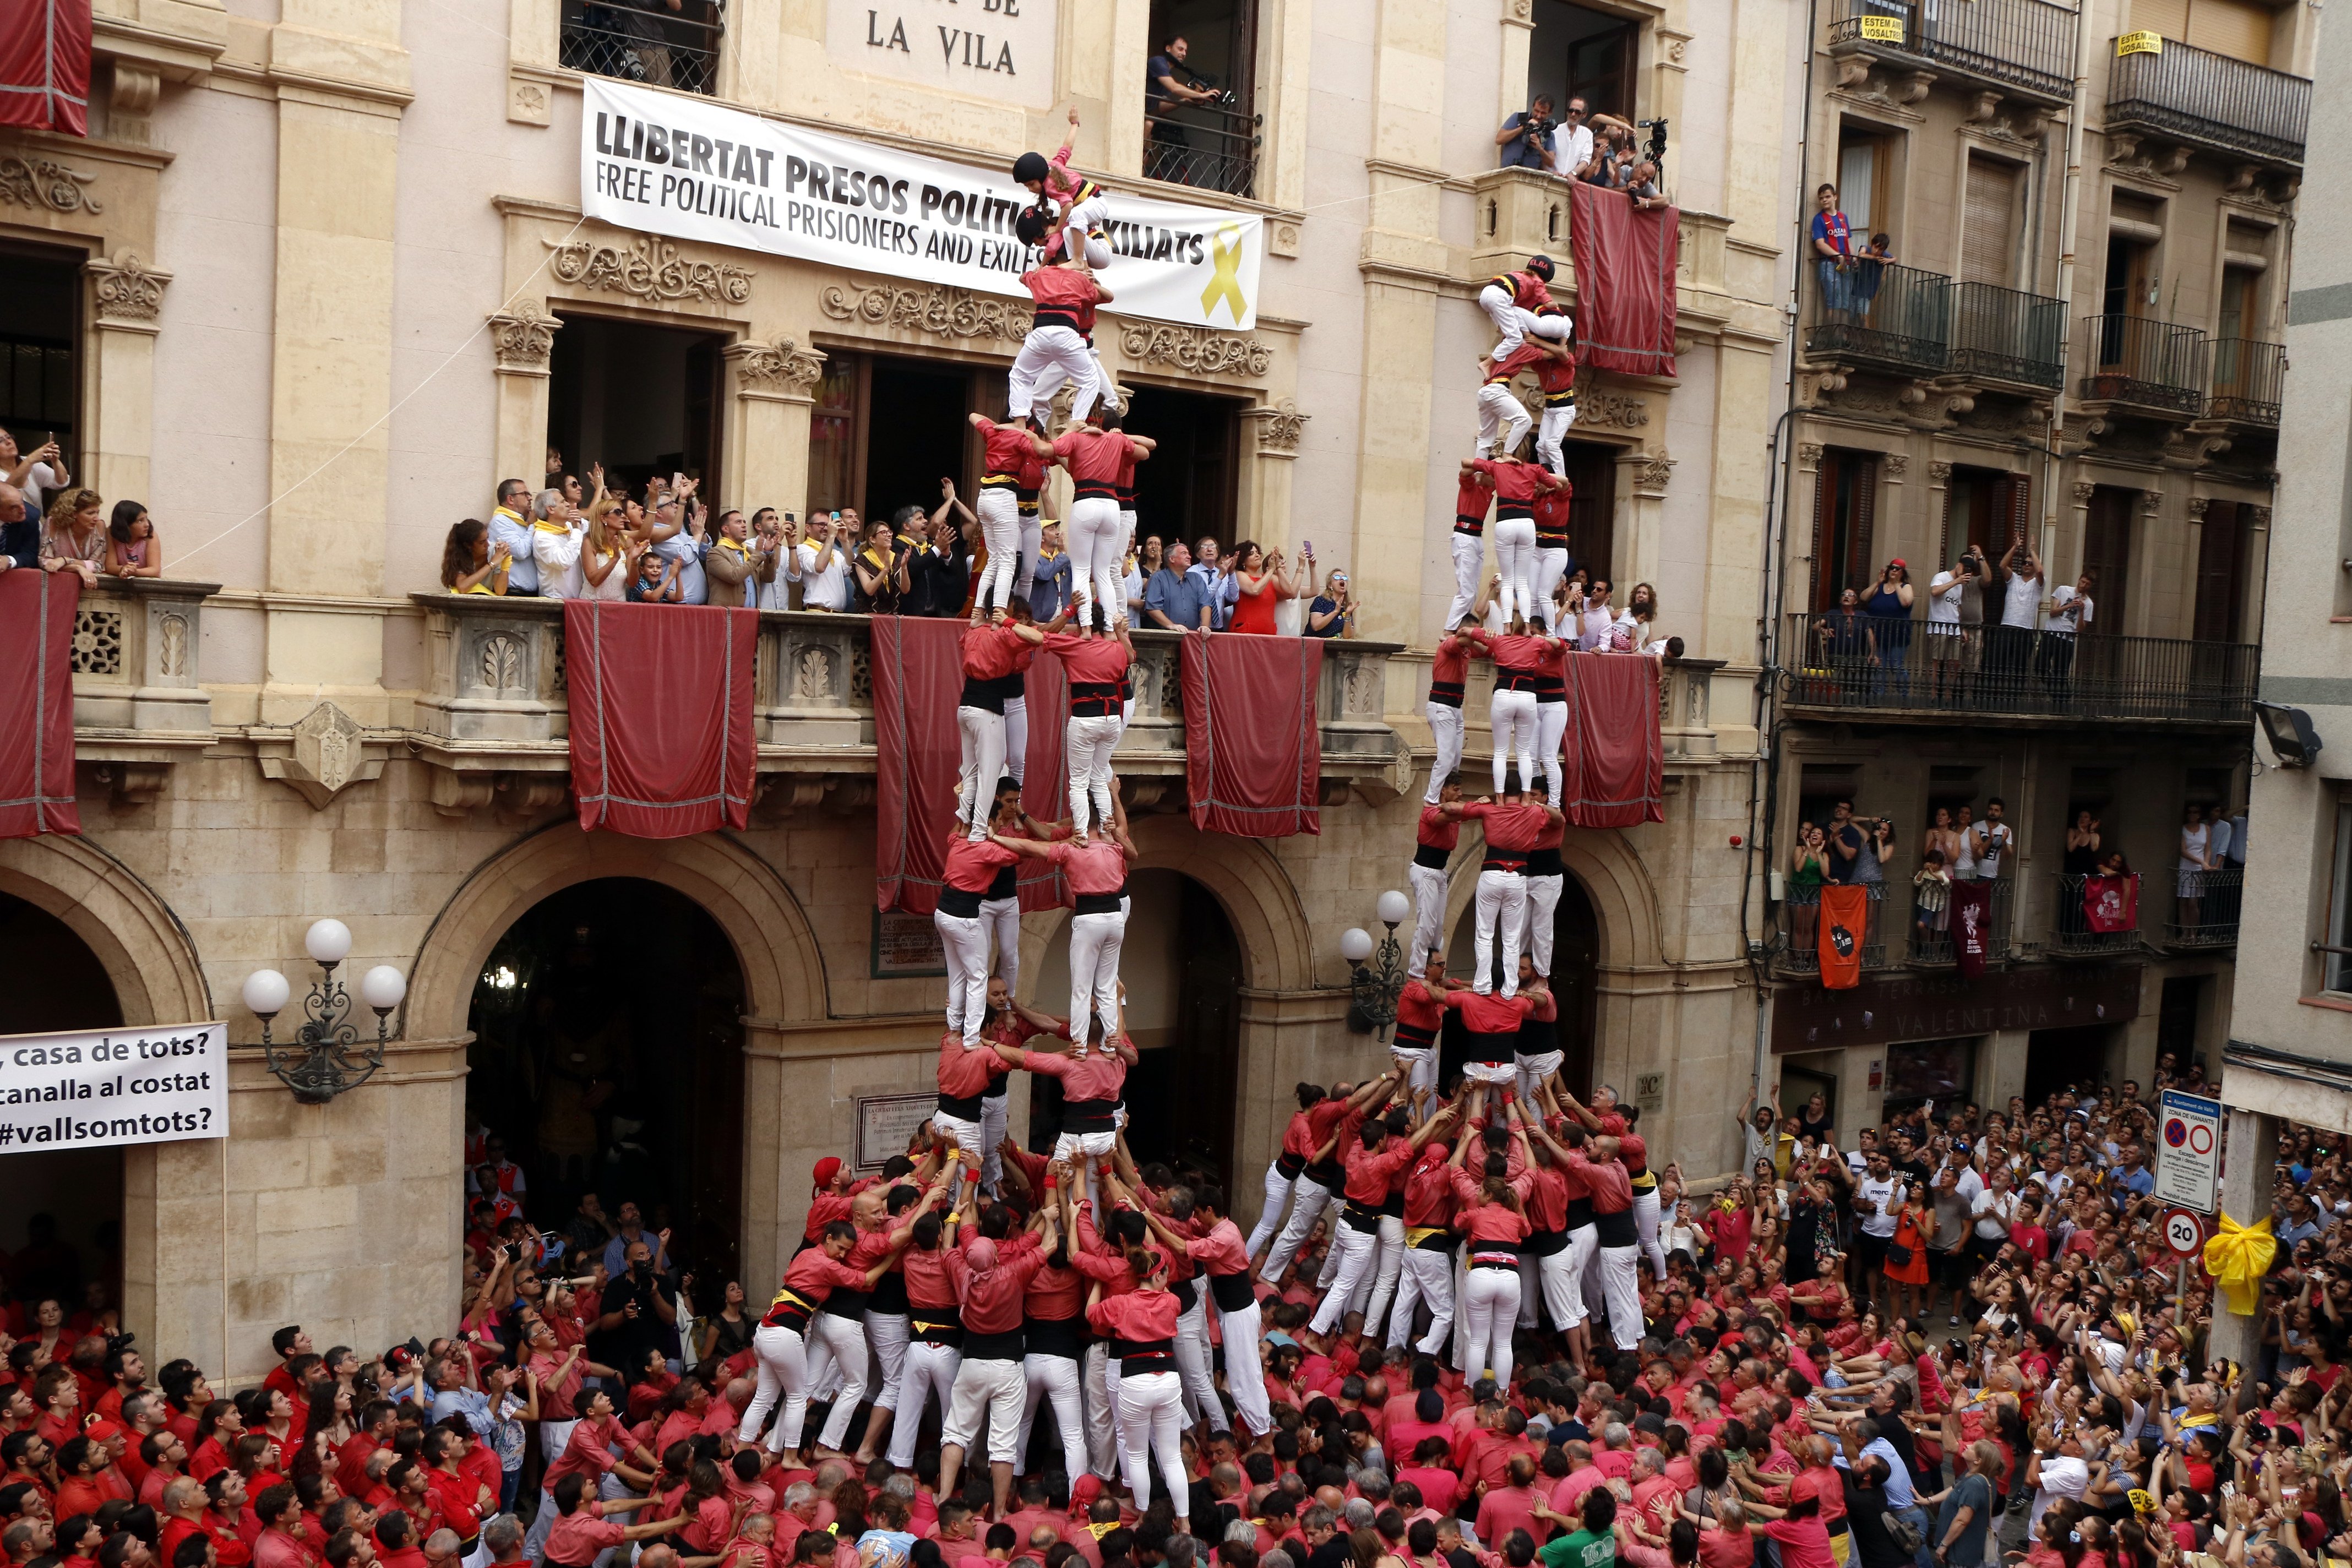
x=1094, y=535
x=1562, y=1298
x=1386, y=1266
x=1621, y=1291
x=783, y=1356
x=1469, y=555
x=1583, y=1243
x=1426, y=1276
x=1101, y=1411
x=1645, y=1225
x=1053, y=1380
x=1358, y=1250
x=1429, y=890
x=1503, y=420
x=1551, y=566
x=990, y=1393
x=1201, y=1401
x=1502, y=902
x=1016, y=738
x=1245, y=1368
x=1512, y=722
x=1420, y=1065
x=1543, y=910
x=982, y=734
x=889, y=1334
x=1001, y=919
x=1551, y=728
x=1514, y=323
x=967, y=1134
x=1087, y=743
x=1515, y=562
x=964, y=941
x=1490, y=1306
x=1049, y=356
x=1151, y=1414
x=838, y=1344
x=1094, y=941
x=1269, y=1217
x=930, y=1369
x=1530, y=1073
x=1307, y=1198
x=1446, y=728
x=1095, y=1146
x=999, y=510
x=1033, y=529
x=1548, y=431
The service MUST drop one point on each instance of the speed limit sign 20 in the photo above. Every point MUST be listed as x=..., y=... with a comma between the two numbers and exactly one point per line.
x=2184, y=1232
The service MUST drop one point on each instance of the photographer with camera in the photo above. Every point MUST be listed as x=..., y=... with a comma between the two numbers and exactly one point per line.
x=1526, y=139
x=1169, y=84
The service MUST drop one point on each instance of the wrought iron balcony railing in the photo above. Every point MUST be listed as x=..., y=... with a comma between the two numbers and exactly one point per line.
x=1897, y=664
x=2249, y=379
x=2151, y=363
x=1204, y=144
x=2006, y=334
x=2205, y=908
x=642, y=40
x=2026, y=44
x=2075, y=932
x=1932, y=939
x=2210, y=101
x=1879, y=312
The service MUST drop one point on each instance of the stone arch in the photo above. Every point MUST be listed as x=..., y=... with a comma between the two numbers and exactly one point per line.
x=147, y=952
x=1624, y=897
x=783, y=972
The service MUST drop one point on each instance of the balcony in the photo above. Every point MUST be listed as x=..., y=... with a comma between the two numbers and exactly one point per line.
x=1213, y=146
x=2004, y=335
x=1800, y=911
x=642, y=41
x=140, y=704
x=2205, y=910
x=1898, y=668
x=494, y=718
x=2146, y=366
x=2021, y=47
x=2213, y=101
x=1930, y=943
x=2072, y=935
x=1875, y=313
x=2249, y=379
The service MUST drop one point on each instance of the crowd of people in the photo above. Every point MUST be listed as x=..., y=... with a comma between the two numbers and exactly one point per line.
x=1586, y=144
x=48, y=524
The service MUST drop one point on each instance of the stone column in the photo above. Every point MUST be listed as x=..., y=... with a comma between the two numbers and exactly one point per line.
x=1511, y=87
x=126, y=309
x=1939, y=501
x=766, y=438
x=1266, y=497
x=2257, y=522
x=2249, y=1141
x=1807, y=490
x=1640, y=522
x=523, y=339
x=2080, y=543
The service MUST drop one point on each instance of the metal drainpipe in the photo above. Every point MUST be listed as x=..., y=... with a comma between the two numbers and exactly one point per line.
x=2070, y=206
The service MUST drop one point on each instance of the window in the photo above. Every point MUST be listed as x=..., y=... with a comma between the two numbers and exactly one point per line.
x=1938, y=1070
x=1986, y=507
x=886, y=430
x=642, y=400
x=2107, y=555
x=1592, y=508
x=1213, y=144
x=1580, y=52
x=40, y=326
x=1865, y=185
x=1988, y=248
x=643, y=40
x=1190, y=486
x=1845, y=502
x=2338, y=969
x=2220, y=573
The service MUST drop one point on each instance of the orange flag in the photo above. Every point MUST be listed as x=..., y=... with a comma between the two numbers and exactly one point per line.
x=1845, y=918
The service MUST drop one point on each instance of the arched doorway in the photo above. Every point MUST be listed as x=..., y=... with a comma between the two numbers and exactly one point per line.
x=1182, y=967
x=62, y=1225
x=1575, y=982
x=608, y=1056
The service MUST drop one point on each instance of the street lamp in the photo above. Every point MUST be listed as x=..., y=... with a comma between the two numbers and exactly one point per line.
x=1372, y=1000
x=322, y=1065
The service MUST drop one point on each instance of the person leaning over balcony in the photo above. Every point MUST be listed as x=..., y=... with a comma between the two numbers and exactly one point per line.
x=1571, y=139
x=1832, y=250
x=470, y=562
x=1526, y=139
x=511, y=526
x=74, y=538
x=132, y=550
x=20, y=530
x=1175, y=600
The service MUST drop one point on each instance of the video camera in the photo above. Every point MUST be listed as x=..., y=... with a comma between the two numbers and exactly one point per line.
x=1657, y=129
x=1225, y=96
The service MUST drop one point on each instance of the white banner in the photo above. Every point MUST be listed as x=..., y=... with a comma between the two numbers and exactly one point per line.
x=666, y=164
x=124, y=1086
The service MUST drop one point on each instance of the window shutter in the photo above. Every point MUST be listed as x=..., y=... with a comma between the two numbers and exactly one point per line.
x=2230, y=27
x=2170, y=17
x=1826, y=479
x=1865, y=513
x=1988, y=226
x=2017, y=492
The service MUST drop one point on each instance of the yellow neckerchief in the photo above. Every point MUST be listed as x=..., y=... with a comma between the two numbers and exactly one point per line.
x=1099, y=1531
x=544, y=526
x=509, y=514
x=723, y=543
x=878, y=562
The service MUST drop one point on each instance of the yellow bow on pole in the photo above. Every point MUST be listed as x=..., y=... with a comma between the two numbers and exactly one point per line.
x=2238, y=1257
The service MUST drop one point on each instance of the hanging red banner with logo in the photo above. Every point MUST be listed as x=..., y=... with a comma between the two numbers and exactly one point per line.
x=1972, y=926
x=1845, y=919
x=2111, y=903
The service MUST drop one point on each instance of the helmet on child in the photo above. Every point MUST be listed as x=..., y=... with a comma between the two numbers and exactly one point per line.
x=1541, y=265
x=1029, y=166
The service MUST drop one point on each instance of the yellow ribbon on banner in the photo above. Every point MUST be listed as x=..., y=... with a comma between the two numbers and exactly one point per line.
x=1226, y=250
x=2238, y=1257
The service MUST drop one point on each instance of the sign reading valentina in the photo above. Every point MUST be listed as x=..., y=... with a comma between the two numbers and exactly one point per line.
x=664, y=164
x=124, y=1086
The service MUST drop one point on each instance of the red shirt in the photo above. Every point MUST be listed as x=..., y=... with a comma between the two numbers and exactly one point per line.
x=1222, y=1251
x=1065, y=288
x=1539, y=654
x=1140, y=1315
x=1552, y=518
x=1612, y=1189
x=1092, y=455
x=580, y=1537
x=1493, y=1014
x=1516, y=828
x=1472, y=503
x=1493, y=1222
x=1368, y=1170
x=1097, y=866
x=966, y=1074
x=1008, y=445
x=990, y=653
x=1100, y=1076
x=973, y=864
x=1515, y=481
x=1298, y=1139
x=1449, y=666
x=1098, y=661
x=993, y=1302
x=1440, y=828
x=1420, y=1009
x=1429, y=1205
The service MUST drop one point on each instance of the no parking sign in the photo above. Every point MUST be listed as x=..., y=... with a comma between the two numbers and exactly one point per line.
x=2189, y=1161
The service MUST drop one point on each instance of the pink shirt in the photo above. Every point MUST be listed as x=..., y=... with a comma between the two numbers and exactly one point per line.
x=1097, y=866
x=1222, y=1251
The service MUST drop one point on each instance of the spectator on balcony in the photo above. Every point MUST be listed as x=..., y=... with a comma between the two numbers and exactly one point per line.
x=1163, y=93
x=74, y=537
x=1954, y=624
x=1176, y=600
x=1050, y=577
x=2010, y=651
x=132, y=548
x=608, y=552
x=1143, y=564
x=1262, y=583
x=20, y=530
x=1870, y=265
x=656, y=582
x=881, y=568
x=555, y=540
x=511, y=526
x=1333, y=612
x=1526, y=139
x=1990, y=840
x=470, y=562
x=1846, y=841
x=1889, y=609
x=821, y=566
x=1642, y=184
x=2196, y=860
x=1850, y=644
x=1832, y=251
x=39, y=473
x=637, y=25
x=1931, y=900
x=1808, y=868
x=781, y=537
x=2228, y=855
x=1571, y=140
x=2069, y=611
x=738, y=564
x=680, y=536
x=1216, y=577
x=939, y=572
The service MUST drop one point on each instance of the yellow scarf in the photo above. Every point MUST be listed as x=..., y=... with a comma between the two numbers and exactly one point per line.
x=723, y=543
x=2238, y=1257
x=544, y=526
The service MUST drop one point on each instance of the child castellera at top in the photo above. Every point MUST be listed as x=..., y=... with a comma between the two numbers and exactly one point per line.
x=1084, y=210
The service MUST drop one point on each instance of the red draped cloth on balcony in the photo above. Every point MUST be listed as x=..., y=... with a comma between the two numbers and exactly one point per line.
x=36, y=725
x=45, y=66
x=1844, y=926
x=1972, y=921
x=919, y=761
x=1625, y=282
x=2111, y=904
x=662, y=743
x=1253, y=749
x=1613, y=759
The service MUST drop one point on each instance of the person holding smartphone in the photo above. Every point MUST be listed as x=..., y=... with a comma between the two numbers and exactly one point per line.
x=1333, y=612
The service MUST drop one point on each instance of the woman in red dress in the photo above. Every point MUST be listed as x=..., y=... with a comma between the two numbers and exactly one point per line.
x=1264, y=582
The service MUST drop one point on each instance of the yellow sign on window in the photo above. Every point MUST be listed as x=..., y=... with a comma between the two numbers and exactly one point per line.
x=1883, y=29
x=2139, y=44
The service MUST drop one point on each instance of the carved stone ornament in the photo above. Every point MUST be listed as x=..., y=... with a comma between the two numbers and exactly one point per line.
x=172, y=630
x=785, y=367
x=1600, y=410
x=942, y=312
x=38, y=182
x=1652, y=473
x=1939, y=472
x=2083, y=492
x=1810, y=454
x=1194, y=349
x=128, y=292
x=1279, y=427
x=1897, y=464
x=649, y=268
x=2197, y=508
x=524, y=338
x=2151, y=502
x=328, y=754
x=2255, y=516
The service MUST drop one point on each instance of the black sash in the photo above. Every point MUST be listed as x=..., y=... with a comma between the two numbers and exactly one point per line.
x=1063, y=1337
x=1093, y=698
x=1087, y=1115
x=1445, y=693
x=1053, y=316
x=1545, y=1243
x=961, y=902
x=1002, y=887
x=1491, y=1050
x=978, y=1346
x=965, y=1107
x=1432, y=855
x=1545, y=862
x=1616, y=1229
x=1289, y=1164
x=1232, y=1292
x=936, y=1325
x=1141, y=1357
x=981, y=692
x=1538, y=1036
x=1414, y=1036
x=889, y=1298
x=1504, y=861
x=1097, y=904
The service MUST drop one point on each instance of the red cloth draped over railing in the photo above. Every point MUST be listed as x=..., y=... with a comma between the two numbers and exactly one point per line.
x=2111, y=904
x=1625, y=264
x=45, y=66
x=1615, y=759
x=1250, y=767
x=1046, y=780
x=662, y=743
x=36, y=726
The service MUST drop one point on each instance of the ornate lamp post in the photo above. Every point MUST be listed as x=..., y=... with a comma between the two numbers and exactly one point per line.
x=324, y=1061
x=1372, y=1002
